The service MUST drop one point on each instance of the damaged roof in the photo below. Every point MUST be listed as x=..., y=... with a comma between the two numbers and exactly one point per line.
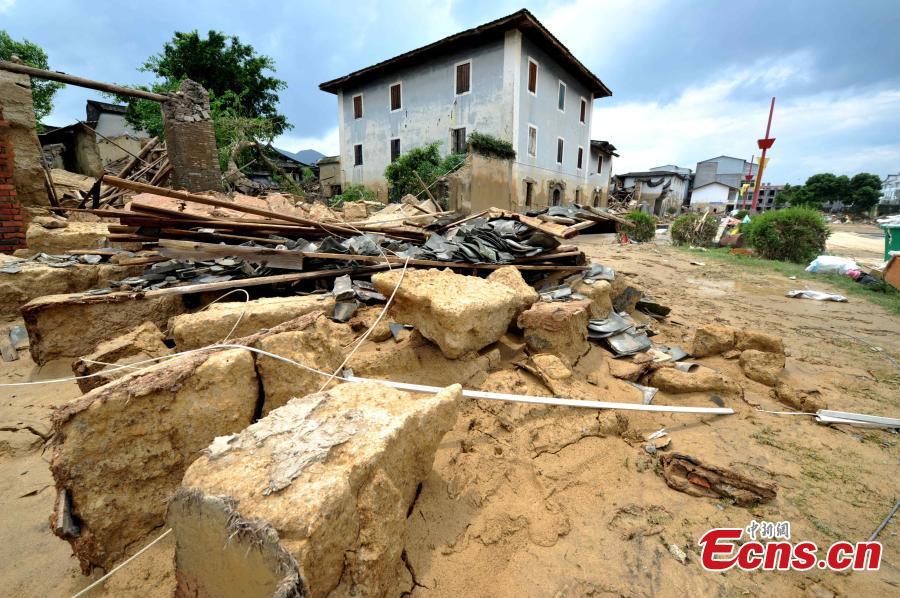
x=604, y=146
x=522, y=20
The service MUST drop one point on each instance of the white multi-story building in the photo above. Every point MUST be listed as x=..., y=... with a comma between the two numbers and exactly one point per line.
x=510, y=78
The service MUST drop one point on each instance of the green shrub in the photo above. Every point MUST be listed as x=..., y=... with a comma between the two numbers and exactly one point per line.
x=490, y=146
x=694, y=230
x=352, y=193
x=426, y=161
x=644, y=228
x=795, y=234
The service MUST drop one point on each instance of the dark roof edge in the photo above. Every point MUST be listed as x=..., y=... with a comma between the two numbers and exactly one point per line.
x=515, y=20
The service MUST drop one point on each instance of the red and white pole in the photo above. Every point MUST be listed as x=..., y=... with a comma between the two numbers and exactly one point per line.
x=763, y=144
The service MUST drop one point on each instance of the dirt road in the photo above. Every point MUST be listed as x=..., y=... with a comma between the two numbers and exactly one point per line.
x=862, y=242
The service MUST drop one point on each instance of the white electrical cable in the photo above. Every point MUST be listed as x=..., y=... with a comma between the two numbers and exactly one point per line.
x=122, y=564
x=363, y=338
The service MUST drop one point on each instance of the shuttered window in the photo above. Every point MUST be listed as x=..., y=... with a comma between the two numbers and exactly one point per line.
x=357, y=107
x=395, y=149
x=396, y=102
x=559, y=150
x=583, y=110
x=580, y=160
x=357, y=155
x=463, y=78
x=532, y=76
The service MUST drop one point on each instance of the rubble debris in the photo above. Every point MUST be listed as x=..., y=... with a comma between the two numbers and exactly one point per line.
x=235, y=319
x=670, y=379
x=647, y=392
x=761, y=341
x=806, y=401
x=143, y=343
x=317, y=345
x=628, y=342
x=599, y=292
x=558, y=328
x=689, y=475
x=162, y=417
x=762, y=366
x=652, y=307
x=312, y=499
x=626, y=299
x=61, y=326
x=626, y=370
x=612, y=323
x=74, y=236
x=458, y=313
x=551, y=366
x=414, y=359
x=510, y=277
x=713, y=340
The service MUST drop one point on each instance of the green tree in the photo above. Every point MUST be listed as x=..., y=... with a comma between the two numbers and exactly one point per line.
x=826, y=188
x=426, y=162
x=797, y=195
x=234, y=74
x=33, y=55
x=865, y=191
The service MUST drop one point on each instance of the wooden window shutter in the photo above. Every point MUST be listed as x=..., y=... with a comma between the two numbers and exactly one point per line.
x=463, y=72
x=395, y=97
x=357, y=155
x=357, y=107
x=532, y=77
x=395, y=149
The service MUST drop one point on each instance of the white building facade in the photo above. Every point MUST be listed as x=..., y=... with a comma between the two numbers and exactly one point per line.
x=510, y=78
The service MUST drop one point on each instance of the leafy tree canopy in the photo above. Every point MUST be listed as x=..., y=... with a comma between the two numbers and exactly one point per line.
x=34, y=56
x=865, y=189
x=860, y=192
x=426, y=162
x=234, y=74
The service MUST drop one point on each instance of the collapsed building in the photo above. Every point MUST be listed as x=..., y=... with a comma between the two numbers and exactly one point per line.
x=279, y=386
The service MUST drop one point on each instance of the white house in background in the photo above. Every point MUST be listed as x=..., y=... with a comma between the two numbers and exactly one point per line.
x=890, y=195
x=510, y=78
x=113, y=131
x=718, y=181
x=661, y=189
x=600, y=166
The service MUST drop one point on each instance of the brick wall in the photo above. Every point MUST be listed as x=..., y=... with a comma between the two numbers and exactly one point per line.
x=12, y=221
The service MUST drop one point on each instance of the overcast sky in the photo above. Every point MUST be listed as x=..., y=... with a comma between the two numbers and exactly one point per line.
x=691, y=80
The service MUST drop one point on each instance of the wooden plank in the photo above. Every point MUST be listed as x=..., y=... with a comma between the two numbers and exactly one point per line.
x=81, y=82
x=191, y=197
x=276, y=258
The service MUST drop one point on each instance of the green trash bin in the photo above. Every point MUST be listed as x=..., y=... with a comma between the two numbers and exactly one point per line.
x=891, y=239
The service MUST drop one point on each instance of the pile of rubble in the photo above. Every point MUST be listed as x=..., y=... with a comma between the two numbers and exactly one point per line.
x=251, y=398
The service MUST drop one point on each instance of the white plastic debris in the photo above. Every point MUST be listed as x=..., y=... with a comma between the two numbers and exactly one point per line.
x=832, y=264
x=817, y=295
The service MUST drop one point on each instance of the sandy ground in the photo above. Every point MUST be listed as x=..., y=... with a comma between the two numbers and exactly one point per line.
x=862, y=242
x=537, y=502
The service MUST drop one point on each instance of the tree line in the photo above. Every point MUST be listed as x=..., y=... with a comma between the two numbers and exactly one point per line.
x=859, y=193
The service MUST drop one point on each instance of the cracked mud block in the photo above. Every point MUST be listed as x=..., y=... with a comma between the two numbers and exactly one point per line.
x=558, y=327
x=143, y=343
x=312, y=499
x=121, y=450
x=510, y=277
x=212, y=325
x=458, y=313
x=66, y=326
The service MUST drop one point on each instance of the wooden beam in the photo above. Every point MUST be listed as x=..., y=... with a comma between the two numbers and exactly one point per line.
x=81, y=82
x=228, y=205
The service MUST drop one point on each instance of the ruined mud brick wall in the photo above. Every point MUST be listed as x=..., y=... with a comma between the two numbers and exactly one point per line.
x=12, y=225
x=18, y=111
x=191, y=140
